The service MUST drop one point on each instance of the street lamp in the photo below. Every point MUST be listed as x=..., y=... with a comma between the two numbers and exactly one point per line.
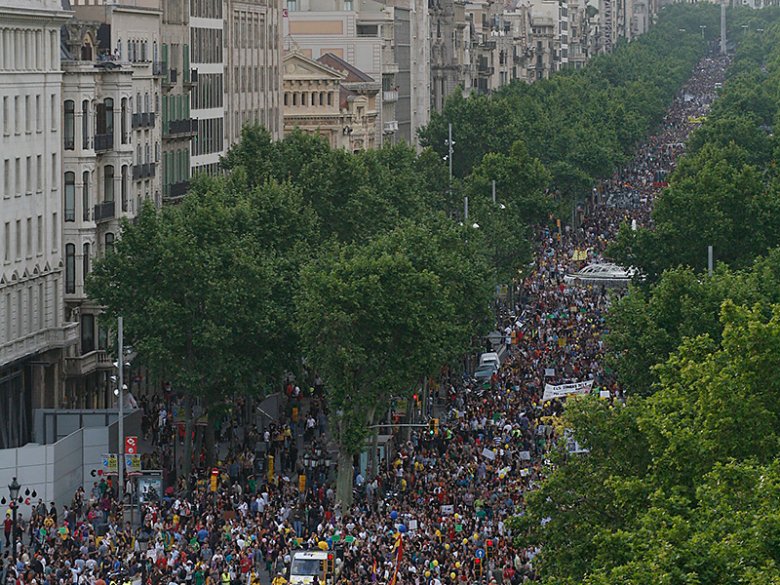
x=13, y=491
x=702, y=27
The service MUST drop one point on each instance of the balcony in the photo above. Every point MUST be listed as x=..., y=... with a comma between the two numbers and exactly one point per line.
x=39, y=341
x=145, y=120
x=105, y=211
x=390, y=127
x=485, y=71
x=176, y=190
x=88, y=363
x=143, y=171
x=69, y=143
x=104, y=142
x=192, y=78
x=171, y=79
x=159, y=68
x=182, y=128
x=389, y=96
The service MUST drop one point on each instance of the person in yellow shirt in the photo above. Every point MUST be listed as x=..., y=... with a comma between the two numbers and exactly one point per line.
x=279, y=579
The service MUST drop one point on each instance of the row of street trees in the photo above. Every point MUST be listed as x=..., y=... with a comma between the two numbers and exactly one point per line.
x=681, y=482
x=357, y=263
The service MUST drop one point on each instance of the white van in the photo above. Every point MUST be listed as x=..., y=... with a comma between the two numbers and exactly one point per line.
x=490, y=358
x=312, y=567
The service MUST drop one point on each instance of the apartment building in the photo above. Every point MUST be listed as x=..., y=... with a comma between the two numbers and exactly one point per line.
x=34, y=329
x=450, y=38
x=177, y=125
x=253, y=67
x=100, y=177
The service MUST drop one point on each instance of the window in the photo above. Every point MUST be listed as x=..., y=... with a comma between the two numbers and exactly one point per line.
x=40, y=306
x=27, y=114
x=53, y=106
x=69, y=124
x=85, y=262
x=38, y=114
x=29, y=238
x=87, y=333
x=54, y=170
x=85, y=195
x=18, y=239
x=123, y=122
x=18, y=114
x=7, y=178
x=108, y=183
x=70, y=196
x=7, y=246
x=18, y=176
x=54, y=232
x=109, y=239
x=39, y=234
x=39, y=173
x=105, y=117
x=85, y=124
x=28, y=174
x=70, y=268
x=123, y=188
x=6, y=116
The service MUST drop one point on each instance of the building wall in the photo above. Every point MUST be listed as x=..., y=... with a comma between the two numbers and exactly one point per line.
x=208, y=47
x=253, y=67
x=32, y=324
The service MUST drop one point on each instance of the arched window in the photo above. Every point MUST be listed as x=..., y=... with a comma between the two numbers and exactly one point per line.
x=70, y=268
x=286, y=99
x=109, y=239
x=70, y=196
x=108, y=103
x=295, y=98
x=69, y=123
x=85, y=208
x=85, y=262
x=108, y=183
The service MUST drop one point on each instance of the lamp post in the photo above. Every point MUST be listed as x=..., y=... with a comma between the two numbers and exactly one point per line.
x=13, y=491
x=702, y=27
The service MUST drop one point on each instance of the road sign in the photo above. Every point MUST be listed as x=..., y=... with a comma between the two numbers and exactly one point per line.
x=480, y=553
x=131, y=445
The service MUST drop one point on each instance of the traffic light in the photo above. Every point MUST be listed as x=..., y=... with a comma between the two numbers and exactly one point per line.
x=214, y=478
x=436, y=426
x=330, y=566
x=488, y=546
x=416, y=398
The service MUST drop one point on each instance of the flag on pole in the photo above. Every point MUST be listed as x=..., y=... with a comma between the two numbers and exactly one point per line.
x=399, y=547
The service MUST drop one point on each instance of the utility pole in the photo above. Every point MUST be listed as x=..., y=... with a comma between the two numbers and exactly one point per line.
x=450, y=144
x=465, y=209
x=121, y=438
x=494, y=191
x=722, y=27
x=709, y=261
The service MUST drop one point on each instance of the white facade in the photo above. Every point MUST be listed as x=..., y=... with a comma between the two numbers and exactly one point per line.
x=33, y=329
x=98, y=190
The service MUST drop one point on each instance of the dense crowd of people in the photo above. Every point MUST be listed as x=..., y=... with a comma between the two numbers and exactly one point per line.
x=450, y=493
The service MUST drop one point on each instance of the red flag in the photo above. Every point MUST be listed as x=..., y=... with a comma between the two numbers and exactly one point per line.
x=399, y=544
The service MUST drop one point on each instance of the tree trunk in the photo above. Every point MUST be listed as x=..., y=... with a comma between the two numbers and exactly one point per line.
x=344, y=480
x=187, y=467
x=210, y=437
x=372, y=460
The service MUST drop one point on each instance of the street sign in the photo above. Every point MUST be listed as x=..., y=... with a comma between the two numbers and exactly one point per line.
x=110, y=463
x=133, y=463
x=480, y=553
x=131, y=445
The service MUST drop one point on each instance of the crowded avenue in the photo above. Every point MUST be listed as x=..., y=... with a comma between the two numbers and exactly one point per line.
x=438, y=510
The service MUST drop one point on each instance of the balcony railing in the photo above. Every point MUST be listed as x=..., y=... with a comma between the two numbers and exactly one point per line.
x=143, y=171
x=172, y=77
x=188, y=126
x=104, y=142
x=192, y=78
x=178, y=189
x=87, y=363
x=105, y=211
x=69, y=143
x=143, y=120
x=390, y=96
x=159, y=68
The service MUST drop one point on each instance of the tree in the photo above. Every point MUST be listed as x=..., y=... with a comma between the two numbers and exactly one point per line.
x=375, y=318
x=204, y=289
